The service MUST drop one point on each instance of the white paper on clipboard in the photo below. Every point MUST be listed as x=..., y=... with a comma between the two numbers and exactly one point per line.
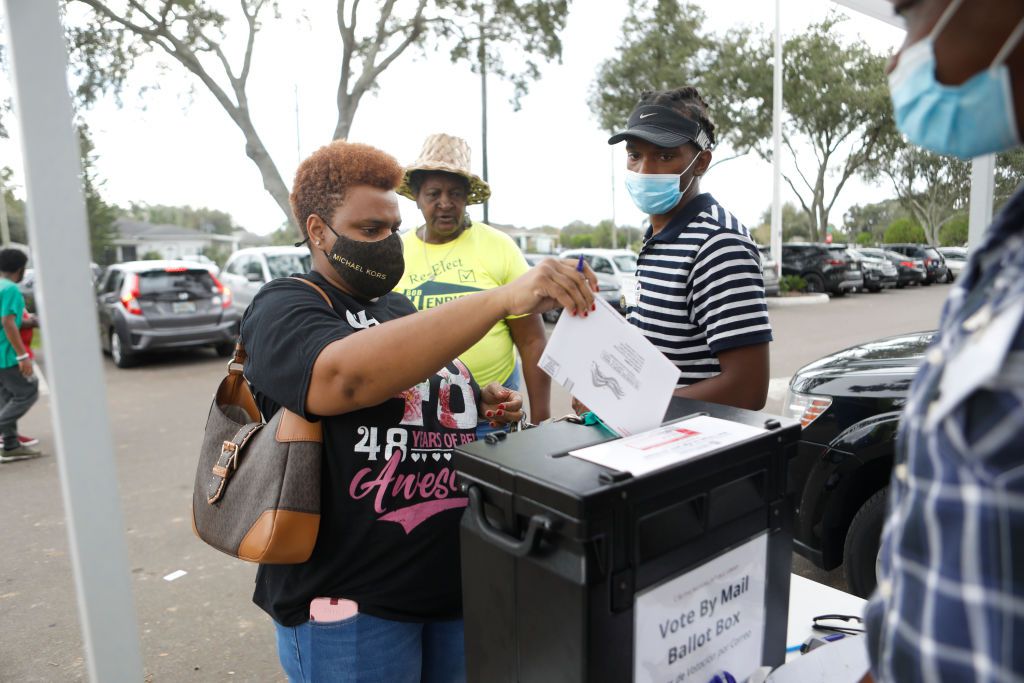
x=667, y=445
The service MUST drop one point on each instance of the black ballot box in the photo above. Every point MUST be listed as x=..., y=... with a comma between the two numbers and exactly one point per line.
x=575, y=572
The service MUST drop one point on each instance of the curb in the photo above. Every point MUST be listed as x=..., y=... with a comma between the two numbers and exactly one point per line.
x=805, y=300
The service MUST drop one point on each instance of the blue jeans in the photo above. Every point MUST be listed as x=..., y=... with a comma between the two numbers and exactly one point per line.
x=483, y=427
x=365, y=649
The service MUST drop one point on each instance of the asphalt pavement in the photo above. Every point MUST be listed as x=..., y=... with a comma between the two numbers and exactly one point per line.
x=203, y=625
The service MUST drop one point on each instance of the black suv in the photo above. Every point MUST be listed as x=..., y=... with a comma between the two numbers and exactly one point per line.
x=153, y=305
x=825, y=268
x=934, y=265
x=849, y=404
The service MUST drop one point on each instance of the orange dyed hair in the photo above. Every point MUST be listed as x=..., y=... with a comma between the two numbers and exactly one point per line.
x=324, y=178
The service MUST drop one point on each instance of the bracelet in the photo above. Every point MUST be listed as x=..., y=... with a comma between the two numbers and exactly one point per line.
x=22, y=357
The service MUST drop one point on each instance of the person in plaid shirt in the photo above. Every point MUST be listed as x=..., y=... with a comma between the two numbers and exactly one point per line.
x=950, y=599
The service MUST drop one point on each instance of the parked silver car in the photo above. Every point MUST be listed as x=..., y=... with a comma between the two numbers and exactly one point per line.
x=157, y=305
x=956, y=261
x=770, y=271
x=616, y=275
x=249, y=269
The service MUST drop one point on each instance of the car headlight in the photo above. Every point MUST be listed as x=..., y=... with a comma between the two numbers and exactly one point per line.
x=805, y=407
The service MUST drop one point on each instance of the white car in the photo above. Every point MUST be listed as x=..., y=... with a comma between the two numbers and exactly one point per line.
x=956, y=261
x=616, y=273
x=249, y=269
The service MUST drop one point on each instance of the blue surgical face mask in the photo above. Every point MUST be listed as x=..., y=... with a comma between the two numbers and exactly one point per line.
x=657, y=193
x=965, y=121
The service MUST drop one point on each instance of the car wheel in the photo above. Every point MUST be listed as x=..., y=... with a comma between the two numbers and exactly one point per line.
x=552, y=315
x=863, y=540
x=815, y=283
x=119, y=352
x=225, y=350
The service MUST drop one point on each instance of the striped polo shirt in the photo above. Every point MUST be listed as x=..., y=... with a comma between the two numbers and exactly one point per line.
x=700, y=290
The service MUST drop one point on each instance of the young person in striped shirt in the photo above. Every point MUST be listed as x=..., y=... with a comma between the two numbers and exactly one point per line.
x=700, y=293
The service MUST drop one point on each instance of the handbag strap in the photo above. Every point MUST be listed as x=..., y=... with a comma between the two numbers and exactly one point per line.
x=237, y=362
x=227, y=462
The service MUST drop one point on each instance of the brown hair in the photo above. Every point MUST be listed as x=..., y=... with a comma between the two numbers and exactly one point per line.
x=323, y=179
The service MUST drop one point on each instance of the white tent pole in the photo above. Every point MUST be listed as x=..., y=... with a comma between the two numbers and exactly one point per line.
x=983, y=172
x=776, y=229
x=58, y=233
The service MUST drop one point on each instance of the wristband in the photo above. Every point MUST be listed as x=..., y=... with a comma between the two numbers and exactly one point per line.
x=22, y=357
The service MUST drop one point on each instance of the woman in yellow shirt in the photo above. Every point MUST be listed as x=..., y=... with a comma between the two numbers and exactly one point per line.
x=450, y=256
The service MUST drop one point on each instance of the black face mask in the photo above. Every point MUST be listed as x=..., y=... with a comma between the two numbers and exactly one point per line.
x=371, y=269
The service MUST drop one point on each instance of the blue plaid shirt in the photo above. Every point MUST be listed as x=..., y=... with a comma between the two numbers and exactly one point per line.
x=950, y=598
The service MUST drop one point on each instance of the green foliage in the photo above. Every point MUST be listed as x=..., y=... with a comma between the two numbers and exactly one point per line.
x=217, y=253
x=796, y=225
x=15, y=208
x=662, y=47
x=486, y=34
x=152, y=256
x=792, y=283
x=874, y=218
x=903, y=230
x=201, y=219
x=865, y=239
x=580, y=235
x=99, y=214
x=954, y=232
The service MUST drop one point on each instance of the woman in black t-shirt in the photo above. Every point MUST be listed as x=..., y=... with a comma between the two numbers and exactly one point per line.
x=380, y=597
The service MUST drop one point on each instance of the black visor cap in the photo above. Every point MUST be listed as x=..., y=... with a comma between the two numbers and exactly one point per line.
x=663, y=127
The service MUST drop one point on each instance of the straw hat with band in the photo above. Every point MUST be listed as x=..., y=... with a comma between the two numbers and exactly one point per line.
x=663, y=127
x=447, y=154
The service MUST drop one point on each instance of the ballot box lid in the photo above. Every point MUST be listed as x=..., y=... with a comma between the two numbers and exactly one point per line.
x=533, y=466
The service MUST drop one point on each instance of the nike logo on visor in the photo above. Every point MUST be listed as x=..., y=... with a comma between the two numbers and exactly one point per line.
x=644, y=116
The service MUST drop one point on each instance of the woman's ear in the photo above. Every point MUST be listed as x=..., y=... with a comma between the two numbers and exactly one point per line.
x=315, y=229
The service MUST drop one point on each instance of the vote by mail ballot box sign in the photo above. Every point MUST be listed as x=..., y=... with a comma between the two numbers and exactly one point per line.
x=708, y=620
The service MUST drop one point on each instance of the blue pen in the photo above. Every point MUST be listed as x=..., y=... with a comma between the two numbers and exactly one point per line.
x=579, y=264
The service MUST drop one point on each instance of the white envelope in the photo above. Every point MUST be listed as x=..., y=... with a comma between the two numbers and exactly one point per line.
x=610, y=366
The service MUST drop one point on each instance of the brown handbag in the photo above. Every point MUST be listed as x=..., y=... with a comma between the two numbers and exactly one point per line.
x=257, y=489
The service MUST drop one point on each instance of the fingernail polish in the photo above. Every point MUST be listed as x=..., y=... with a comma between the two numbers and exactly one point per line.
x=489, y=413
x=500, y=413
x=501, y=406
x=593, y=307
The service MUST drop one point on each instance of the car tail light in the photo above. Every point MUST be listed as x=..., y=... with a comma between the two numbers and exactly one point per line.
x=805, y=407
x=225, y=292
x=907, y=264
x=130, y=294
x=176, y=269
x=836, y=262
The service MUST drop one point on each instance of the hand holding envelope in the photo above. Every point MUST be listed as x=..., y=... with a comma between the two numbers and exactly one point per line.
x=608, y=365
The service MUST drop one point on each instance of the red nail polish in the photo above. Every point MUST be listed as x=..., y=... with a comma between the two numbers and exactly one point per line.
x=500, y=413
x=489, y=413
x=501, y=406
x=593, y=307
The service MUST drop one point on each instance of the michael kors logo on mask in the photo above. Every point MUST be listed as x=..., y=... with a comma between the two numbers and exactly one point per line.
x=358, y=267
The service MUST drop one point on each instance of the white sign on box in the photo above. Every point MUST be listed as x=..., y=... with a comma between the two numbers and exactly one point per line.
x=708, y=620
x=610, y=366
x=670, y=444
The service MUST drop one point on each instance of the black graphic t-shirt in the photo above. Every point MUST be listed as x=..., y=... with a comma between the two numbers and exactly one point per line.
x=390, y=508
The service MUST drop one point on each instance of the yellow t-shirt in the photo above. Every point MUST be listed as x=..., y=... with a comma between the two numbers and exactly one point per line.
x=480, y=258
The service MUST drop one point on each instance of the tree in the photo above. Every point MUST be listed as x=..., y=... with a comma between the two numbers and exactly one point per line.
x=932, y=189
x=954, y=232
x=873, y=218
x=99, y=214
x=661, y=49
x=837, y=108
x=202, y=219
x=795, y=224
x=903, y=230
x=865, y=239
x=194, y=36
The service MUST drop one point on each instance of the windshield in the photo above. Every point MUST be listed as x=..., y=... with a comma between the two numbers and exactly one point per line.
x=626, y=263
x=283, y=265
x=198, y=283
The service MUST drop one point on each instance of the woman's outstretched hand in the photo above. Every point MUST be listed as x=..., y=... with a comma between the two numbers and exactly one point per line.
x=553, y=283
x=500, y=405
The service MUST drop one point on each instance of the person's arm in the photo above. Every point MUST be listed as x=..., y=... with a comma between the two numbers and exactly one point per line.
x=14, y=339
x=366, y=369
x=529, y=337
x=743, y=382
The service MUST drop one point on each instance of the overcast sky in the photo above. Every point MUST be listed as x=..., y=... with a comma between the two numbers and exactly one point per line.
x=549, y=162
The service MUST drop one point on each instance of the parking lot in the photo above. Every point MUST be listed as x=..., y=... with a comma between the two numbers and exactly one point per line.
x=202, y=626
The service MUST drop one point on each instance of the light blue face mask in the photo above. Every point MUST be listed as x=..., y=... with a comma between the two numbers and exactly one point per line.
x=965, y=121
x=657, y=193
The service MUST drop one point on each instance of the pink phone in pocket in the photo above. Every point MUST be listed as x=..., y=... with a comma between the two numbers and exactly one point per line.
x=325, y=610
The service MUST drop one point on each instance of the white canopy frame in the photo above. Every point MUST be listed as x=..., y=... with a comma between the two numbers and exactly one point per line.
x=59, y=236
